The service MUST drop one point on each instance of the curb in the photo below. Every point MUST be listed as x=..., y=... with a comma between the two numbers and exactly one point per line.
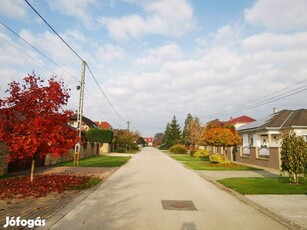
x=281, y=219
x=63, y=212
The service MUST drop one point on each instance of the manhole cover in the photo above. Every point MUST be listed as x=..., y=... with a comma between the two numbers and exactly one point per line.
x=178, y=205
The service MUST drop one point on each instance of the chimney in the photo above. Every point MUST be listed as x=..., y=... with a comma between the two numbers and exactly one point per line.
x=275, y=110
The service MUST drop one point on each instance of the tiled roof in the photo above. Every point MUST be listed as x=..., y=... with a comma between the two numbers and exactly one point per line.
x=242, y=119
x=103, y=124
x=280, y=120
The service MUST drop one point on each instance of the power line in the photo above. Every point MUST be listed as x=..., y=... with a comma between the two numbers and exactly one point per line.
x=262, y=101
x=26, y=54
x=37, y=50
x=77, y=56
x=104, y=94
x=54, y=31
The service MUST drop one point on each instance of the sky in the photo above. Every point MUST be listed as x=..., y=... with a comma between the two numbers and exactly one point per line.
x=153, y=59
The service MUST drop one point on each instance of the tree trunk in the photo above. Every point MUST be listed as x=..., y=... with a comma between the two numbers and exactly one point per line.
x=32, y=170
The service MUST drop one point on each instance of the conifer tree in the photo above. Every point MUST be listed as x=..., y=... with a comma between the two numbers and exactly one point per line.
x=175, y=132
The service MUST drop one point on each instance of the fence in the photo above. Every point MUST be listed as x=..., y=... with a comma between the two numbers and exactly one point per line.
x=263, y=156
x=90, y=149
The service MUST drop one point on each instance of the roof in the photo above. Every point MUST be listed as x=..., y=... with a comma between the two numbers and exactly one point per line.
x=215, y=122
x=103, y=124
x=86, y=120
x=284, y=119
x=242, y=119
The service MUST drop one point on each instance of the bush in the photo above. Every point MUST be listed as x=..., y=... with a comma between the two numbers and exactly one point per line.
x=192, y=152
x=201, y=153
x=120, y=150
x=178, y=149
x=217, y=158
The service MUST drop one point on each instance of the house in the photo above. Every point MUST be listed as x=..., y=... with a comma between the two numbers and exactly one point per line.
x=239, y=121
x=103, y=125
x=86, y=123
x=236, y=122
x=261, y=138
x=216, y=123
x=149, y=141
x=266, y=131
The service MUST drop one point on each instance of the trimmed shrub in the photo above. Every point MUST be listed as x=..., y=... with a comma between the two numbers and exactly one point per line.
x=192, y=152
x=178, y=149
x=120, y=150
x=202, y=153
x=217, y=158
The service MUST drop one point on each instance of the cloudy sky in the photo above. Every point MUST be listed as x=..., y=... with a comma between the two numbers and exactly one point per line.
x=157, y=58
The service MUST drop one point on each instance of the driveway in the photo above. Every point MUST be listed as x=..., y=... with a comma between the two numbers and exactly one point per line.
x=135, y=197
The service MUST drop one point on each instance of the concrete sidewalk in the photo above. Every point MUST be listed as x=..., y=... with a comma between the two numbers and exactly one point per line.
x=291, y=209
x=132, y=199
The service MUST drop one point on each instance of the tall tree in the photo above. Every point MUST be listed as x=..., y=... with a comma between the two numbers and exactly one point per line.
x=128, y=138
x=195, y=132
x=175, y=132
x=166, y=137
x=33, y=121
x=185, y=132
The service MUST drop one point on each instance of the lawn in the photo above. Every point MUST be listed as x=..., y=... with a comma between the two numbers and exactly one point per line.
x=99, y=161
x=182, y=157
x=250, y=185
x=199, y=164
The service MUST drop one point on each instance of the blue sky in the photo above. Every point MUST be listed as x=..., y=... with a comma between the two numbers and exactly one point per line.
x=159, y=58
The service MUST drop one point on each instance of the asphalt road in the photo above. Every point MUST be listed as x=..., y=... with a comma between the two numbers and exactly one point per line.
x=132, y=199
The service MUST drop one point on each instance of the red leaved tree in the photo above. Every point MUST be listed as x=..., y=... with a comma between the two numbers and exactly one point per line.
x=33, y=121
x=223, y=137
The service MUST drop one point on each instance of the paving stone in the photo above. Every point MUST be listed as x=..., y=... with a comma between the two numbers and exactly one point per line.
x=45, y=207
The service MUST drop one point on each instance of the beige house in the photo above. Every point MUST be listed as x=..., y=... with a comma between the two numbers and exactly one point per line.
x=261, y=138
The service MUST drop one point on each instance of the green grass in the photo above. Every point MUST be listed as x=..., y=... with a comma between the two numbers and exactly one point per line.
x=91, y=183
x=5, y=177
x=204, y=164
x=99, y=161
x=185, y=158
x=250, y=185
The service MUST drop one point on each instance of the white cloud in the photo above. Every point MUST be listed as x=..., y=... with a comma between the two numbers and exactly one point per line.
x=124, y=27
x=270, y=41
x=280, y=15
x=165, y=17
x=13, y=8
x=77, y=8
x=159, y=56
x=221, y=78
x=110, y=53
x=50, y=44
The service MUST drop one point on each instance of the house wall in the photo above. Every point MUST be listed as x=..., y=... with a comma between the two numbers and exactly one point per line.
x=251, y=155
x=104, y=148
x=254, y=158
x=91, y=149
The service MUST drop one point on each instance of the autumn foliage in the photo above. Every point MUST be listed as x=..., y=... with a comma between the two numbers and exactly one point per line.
x=33, y=121
x=221, y=136
x=22, y=187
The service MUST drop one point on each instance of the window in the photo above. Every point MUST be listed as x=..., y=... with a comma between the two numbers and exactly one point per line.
x=252, y=141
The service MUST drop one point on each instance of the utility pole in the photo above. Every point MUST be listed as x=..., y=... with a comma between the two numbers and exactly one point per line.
x=128, y=124
x=79, y=115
